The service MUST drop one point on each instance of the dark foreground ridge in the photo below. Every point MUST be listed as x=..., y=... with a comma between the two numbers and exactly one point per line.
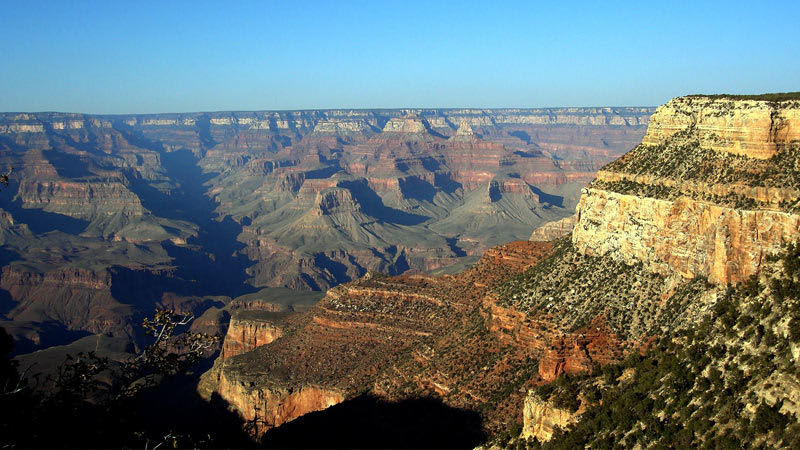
x=370, y=422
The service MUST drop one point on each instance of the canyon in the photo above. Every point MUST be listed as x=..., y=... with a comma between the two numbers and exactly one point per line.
x=108, y=217
x=501, y=268
x=664, y=239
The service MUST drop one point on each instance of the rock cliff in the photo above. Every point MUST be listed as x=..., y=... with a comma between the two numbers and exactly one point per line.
x=540, y=418
x=393, y=335
x=250, y=329
x=706, y=201
x=752, y=128
x=709, y=192
x=553, y=230
x=683, y=236
x=264, y=408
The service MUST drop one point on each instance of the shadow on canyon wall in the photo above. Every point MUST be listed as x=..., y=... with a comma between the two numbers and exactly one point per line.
x=369, y=422
x=212, y=264
x=38, y=221
x=544, y=197
x=373, y=205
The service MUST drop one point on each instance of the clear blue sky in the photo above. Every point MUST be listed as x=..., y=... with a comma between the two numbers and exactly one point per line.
x=116, y=56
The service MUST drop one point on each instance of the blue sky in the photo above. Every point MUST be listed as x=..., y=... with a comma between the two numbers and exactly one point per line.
x=172, y=56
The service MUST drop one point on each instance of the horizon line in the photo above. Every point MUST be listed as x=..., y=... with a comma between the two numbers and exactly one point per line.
x=448, y=108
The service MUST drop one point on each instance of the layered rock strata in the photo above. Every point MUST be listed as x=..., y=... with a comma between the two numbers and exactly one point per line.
x=709, y=192
x=751, y=128
x=379, y=331
x=684, y=236
x=553, y=230
x=250, y=329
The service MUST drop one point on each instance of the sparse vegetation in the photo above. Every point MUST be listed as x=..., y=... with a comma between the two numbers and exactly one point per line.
x=772, y=97
x=566, y=287
x=723, y=383
x=672, y=166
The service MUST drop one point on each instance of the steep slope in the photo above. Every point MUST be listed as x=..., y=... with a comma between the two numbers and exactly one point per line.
x=706, y=201
x=729, y=382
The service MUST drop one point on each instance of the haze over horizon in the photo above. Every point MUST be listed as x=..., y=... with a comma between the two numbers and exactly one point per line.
x=117, y=58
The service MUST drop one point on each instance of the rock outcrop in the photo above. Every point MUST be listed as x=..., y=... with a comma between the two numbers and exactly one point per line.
x=751, y=128
x=552, y=230
x=540, y=418
x=410, y=124
x=250, y=329
x=709, y=192
x=378, y=331
x=263, y=407
x=684, y=236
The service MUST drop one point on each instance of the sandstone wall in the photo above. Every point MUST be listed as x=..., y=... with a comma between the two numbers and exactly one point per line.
x=685, y=236
x=246, y=334
x=540, y=418
x=744, y=127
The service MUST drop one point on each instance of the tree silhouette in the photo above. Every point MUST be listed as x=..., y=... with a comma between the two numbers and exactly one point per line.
x=94, y=402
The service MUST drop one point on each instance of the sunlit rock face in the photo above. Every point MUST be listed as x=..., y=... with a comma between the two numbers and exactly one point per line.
x=249, y=330
x=751, y=128
x=553, y=230
x=711, y=191
x=684, y=236
x=541, y=419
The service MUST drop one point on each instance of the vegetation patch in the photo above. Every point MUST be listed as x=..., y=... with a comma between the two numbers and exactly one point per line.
x=571, y=289
x=772, y=97
x=682, y=158
x=724, y=383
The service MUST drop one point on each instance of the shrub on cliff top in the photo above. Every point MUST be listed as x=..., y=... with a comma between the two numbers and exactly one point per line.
x=773, y=97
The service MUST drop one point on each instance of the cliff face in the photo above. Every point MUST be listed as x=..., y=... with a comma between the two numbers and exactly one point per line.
x=709, y=196
x=249, y=330
x=78, y=299
x=711, y=191
x=553, y=230
x=750, y=128
x=267, y=408
x=684, y=236
x=540, y=418
x=74, y=199
x=329, y=353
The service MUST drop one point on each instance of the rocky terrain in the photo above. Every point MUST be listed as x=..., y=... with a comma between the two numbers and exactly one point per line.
x=395, y=336
x=702, y=215
x=666, y=317
x=107, y=217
